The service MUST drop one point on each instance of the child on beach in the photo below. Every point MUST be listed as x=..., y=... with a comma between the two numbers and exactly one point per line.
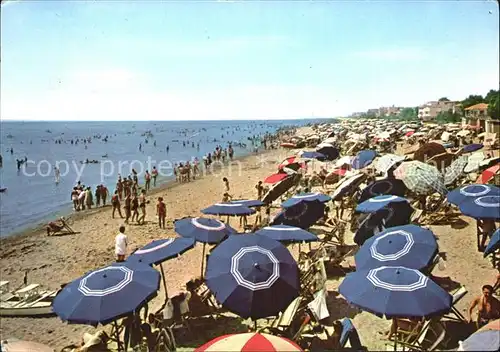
x=115, y=203
x=161, y=211
x=121, y=244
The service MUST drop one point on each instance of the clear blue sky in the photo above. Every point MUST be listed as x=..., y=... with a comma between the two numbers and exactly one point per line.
x=240, y=59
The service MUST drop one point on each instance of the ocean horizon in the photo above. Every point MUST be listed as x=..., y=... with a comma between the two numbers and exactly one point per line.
x=33, y=197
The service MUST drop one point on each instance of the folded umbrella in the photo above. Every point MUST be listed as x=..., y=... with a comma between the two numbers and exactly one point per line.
x=287, y=234
x=253, y=276
x=388, y=186
x=484, y=207
x=455, y=170
x=305, y=197
x=395, y=292
x=251, y=341
x=303, y=215
x=494, y=243
x=363, y=159
x=105, y=295
x=421, y=178
x=459, y=195
x=410, y=246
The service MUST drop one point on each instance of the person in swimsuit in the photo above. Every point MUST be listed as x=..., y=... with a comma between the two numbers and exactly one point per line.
x=127, y=207
x=135, y=208
x=115, y=203
x=161, y=211
x=488, y=307
x=142, y=205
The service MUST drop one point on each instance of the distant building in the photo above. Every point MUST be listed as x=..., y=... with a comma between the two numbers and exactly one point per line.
x=431, y=110
x=476, y=116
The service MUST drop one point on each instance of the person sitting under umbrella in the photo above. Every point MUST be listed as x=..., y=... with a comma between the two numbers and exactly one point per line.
x=488, y=307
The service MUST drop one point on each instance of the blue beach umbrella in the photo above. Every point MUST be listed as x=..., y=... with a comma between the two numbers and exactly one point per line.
x=305, y=197
x=472, y=147
x=285, y=233
x=312, y=155
x=388, y=186
x=376, y=203
x=363, y=159
x=484, y=207
x=494, y=243
x=203, y=230
x=229, y=209
x=459, y=195
x=105, y=295
x=303, y=215
x=159, y=251
x=249, y=203
x=369, y=225
x=253, y=276
x=395, y=292
x=482, y=340
x=410, y=246
x=330, y=152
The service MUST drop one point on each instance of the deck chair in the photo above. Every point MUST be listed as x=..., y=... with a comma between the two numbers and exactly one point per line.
x=454, y=314
x=314, y=278
x=284, y=320
x=60, y=228
x=413, y=339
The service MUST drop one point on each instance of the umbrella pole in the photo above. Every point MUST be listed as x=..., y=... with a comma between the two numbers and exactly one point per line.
x=203, y=260
x=164, y=282
x=227, y=219
x=255, y=325
x=118, y=343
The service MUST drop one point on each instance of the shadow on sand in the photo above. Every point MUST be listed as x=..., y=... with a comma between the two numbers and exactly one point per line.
x=339, y=308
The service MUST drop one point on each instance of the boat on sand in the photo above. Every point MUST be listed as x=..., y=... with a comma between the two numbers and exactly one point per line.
x=28, y=301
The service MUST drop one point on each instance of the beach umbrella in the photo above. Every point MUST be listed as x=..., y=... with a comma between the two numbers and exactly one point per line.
x=459, y=195
x=345, y=160
x=329, y=151
x=253, y=276
x=348, y=186
x=303, y=215
x=363, y=159
x=441, y=161
x=409, y=133
x=474, y=162
x=251, y=341
x=370, y=224
x=158, y=251
x=377, y=203
x=387, y=186
x=486, y=338
x=395, y=292
x=249, y=203
x=494, y=243
x=272, y=179
x=387, y=161
x=469, y=148
x=293, y=163
x=486, y=163
x=105, y=295
x=305, y=197
x=228, y=209
x=428, y=150
x=280, y=188
x=455, y=170
x=410, y=246
x=288, y=145
x=484, y=207
x=211, y=231
x=312, y=155
x=488, y=174
x=421, y=178
x=203, y=230
x=287, y=234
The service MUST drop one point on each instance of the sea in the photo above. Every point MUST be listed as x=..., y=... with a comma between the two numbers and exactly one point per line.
x=33, y=195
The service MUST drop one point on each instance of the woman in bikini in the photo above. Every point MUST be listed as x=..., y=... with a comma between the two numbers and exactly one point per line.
x=142, y=205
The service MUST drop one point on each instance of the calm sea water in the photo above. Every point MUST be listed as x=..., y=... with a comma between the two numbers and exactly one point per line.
x=32, y=195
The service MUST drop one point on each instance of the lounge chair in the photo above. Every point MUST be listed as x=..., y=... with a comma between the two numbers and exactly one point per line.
x=426, y=337
x=59, y=228
x=454, y=314
x=292, y=322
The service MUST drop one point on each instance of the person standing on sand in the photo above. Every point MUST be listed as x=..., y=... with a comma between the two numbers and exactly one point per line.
x=147, y=181
x=488, y=307
x=142, y=205
x=260, y=190
x=226, y=185
x=89, y=198
x=161, y=211
x=98, y=195
x=134, y=208
x=121, y=244
x=115, y=203
x=104, y=195
x=119, y=188
x=154, y=174
x=74, y=199
x=127, y=207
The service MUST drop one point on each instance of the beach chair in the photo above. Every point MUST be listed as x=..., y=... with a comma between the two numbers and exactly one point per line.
x=292, y=322
x=59, y=228
x=419, y=338
x=454, y=314
x=313, y=278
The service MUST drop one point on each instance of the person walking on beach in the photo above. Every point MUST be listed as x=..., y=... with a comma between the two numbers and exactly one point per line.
x=226, y=185
x=121, y=244
x=74, y=199
x=161, y=211
x=142, y=205
x=89, y=201
x=135, y=208
x=260, y=190
x=154, y=174
x=97, y=196
x=104, y=195
x=147, y=181
x=115, y=203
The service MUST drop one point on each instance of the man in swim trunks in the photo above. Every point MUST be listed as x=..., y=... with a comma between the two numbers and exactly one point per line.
x=488, y=307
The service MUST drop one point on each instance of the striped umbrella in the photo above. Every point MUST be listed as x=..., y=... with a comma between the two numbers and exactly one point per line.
x=455, y=170
x=252, y=341
x=421, y=178
x=488, y=174
x=387, y=161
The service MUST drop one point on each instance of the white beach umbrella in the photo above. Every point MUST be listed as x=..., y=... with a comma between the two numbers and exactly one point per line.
x=474, y=162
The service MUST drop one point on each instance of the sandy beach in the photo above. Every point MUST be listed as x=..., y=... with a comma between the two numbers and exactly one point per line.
x=52, y=261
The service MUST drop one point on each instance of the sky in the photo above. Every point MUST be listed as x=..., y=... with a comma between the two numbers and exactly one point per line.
x=203, y=60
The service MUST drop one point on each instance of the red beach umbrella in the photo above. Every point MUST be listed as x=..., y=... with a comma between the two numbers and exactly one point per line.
x=288, y=145
x=252, y=341
x=275, y=178
x=409, y=134
x=488, y=174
